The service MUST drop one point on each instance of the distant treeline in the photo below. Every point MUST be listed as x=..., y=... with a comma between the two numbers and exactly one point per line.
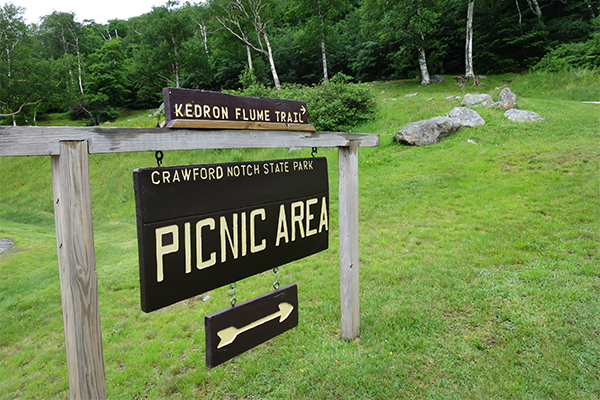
x=90, y=69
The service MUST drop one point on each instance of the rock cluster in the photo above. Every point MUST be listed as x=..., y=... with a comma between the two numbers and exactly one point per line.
x=422, y=133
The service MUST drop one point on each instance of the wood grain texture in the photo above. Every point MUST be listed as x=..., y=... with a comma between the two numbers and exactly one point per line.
x=348, y=220
x=77, y=268
x=39, y=141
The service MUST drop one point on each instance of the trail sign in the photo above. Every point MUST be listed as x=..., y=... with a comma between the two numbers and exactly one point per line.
x=204, y=226
x=234, y=330
x=187, y=108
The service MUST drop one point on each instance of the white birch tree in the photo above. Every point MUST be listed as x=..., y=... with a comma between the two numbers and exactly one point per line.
x=469, y=73
x=237, y=16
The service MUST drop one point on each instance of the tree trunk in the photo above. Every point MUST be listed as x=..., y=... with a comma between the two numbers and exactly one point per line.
x=323, y=53
x=469, y=44
x=249, y=54
x=535, y=7
x=423, y=66
x=272, y=62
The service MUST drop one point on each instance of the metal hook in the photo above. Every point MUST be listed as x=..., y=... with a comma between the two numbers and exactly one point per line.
x=314, y=151
x=159, y=157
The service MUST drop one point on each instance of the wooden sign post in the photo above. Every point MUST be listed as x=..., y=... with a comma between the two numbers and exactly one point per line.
x=79, y=287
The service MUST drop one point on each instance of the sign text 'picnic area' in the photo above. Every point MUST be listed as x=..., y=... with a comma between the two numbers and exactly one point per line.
x=201, y=227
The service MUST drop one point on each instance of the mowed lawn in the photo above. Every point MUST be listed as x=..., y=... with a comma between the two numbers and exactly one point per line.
x=479, y=268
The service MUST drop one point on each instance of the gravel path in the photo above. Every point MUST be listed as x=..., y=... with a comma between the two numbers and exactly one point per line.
x=5, y=244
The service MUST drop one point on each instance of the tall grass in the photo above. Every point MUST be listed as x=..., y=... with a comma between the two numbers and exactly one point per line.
x=479, y=271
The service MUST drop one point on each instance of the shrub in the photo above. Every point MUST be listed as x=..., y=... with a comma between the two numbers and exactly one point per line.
x=584, y=55
x=337, y=105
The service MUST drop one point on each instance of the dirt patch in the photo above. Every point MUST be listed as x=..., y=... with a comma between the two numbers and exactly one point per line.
x=5, y=244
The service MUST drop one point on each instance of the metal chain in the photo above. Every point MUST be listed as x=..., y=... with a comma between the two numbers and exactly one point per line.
x=159, y=157
x=276, y=283
x=233, y=299
x=314, y=152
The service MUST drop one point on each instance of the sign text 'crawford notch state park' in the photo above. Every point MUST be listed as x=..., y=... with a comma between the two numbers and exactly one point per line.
x=188, y=108
x=201, y=227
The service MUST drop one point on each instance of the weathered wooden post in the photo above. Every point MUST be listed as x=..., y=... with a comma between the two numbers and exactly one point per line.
x=77, y=268
x=348, y=220
x=69, y=148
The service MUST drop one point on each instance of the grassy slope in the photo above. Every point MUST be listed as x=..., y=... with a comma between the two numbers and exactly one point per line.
x=480, y=271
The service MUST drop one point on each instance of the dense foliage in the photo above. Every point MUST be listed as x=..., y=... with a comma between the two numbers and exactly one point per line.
x=91, y=69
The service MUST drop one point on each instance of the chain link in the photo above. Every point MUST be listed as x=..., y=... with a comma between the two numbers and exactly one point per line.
x=159, y=157
x=314, y=151
x=276, y=283
x=233, y=300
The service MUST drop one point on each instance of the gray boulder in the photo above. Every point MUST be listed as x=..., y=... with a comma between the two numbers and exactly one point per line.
x=507, y=95
x=437, y=79
x=504, y=105
x=426, y=132
x=474, y=100
x=522, y=115
x=465, y=117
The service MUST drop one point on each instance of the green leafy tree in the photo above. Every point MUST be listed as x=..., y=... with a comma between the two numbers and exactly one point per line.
x=28, y=83
x=168, y=50
x=107, y=85
x=409, y=23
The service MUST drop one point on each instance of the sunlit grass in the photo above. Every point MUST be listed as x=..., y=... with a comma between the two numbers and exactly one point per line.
x=479, y=271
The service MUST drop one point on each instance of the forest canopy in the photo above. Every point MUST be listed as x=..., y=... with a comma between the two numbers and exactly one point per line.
x=60, y=64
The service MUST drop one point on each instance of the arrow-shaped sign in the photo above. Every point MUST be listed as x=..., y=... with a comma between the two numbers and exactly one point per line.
x=228, y=335
x=303, y=109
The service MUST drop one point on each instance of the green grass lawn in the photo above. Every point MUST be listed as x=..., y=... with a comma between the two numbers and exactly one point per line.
x=479, y=274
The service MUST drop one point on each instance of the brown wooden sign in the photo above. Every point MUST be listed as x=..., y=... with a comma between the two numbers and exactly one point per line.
x=237, y=329
x=187, y=108
x=201, y=227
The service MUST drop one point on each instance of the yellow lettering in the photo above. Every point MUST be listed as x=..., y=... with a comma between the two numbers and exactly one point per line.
x=225, y=112
x=277, y=114
x=186, y=174
x=238, y=112
x=216, y=112
x=206, y=110
x=200, y=263
x=188, y=248
x=178, y=112
x=167, y=249
x=297, y=219
x=309, y=217
x=197, y=110
x=176, y=177
x=323, y=221
x=156, y=182
x=267, y=118
x=254, y=248
x=166, y=176
x=188, y=110
x=282, y=231
x=226, y=235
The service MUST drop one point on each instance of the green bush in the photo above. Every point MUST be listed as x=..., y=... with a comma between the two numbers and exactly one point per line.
x=337, y=105
x=585, y=55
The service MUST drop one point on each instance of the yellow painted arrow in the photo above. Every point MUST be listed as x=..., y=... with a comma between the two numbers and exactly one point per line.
x=303, y=109
x=228, y=335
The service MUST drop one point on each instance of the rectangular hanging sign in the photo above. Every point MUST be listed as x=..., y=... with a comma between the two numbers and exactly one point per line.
x=237, y=329
x=187, y=108
x=201, y=227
